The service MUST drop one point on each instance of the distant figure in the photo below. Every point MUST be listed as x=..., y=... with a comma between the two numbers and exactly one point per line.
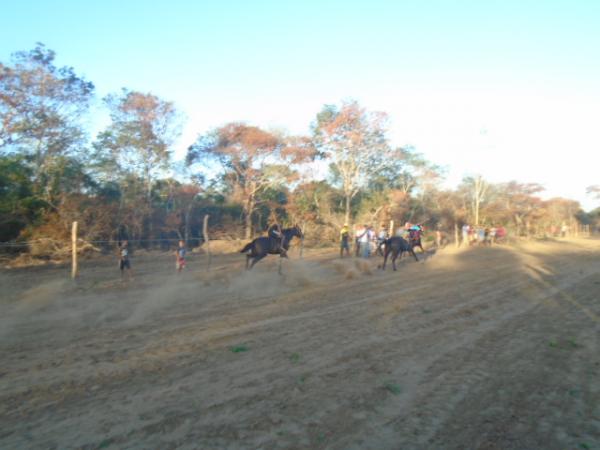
x=358, y=234
x=472, y=235
x=564, y=230
x=486, y=236
x=124, y=263
x=180, y=257
x=480, y=236
x=500, y=234
x=364, y=240
x=492, y=235
x=438, y=238
x=344, y=240
x=465, y=234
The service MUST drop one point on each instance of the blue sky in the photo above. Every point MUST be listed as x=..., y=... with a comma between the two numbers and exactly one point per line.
x=508, y=89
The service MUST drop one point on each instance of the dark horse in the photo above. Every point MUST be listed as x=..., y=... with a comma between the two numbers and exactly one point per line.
x=263, y=246
x=396, y=246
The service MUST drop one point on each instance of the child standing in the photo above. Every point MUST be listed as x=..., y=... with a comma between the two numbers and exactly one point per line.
x=180, y=256
x=344, y=240
x=124, y=262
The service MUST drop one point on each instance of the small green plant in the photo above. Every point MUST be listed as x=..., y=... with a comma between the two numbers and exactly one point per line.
x=295, y=358
x=584, y=446
x=393, y=388
x=105, y=443
x=553, y=344
x=573, y=343
x=238, y=348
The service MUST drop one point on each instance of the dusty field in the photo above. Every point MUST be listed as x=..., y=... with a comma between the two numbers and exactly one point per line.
x=487, y=348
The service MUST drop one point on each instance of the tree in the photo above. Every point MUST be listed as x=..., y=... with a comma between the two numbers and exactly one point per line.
x=41, y=107
x=476, y=188
x=253, y=161
x=140, y=136
x=355, y=143
x=521, y=204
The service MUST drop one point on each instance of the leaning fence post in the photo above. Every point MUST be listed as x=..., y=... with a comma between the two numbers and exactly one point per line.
x=206, y=240
x=74, y=250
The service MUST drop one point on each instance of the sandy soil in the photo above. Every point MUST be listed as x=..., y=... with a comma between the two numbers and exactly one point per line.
x=483, y=348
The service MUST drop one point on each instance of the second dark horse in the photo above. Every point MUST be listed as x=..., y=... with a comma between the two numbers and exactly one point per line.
x=396, y=246
x=263, y=246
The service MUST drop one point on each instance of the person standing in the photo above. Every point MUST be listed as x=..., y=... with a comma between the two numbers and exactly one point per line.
x=124, y=262
x=180, y=257
x=366, y=240
x=438, y=237
x=344, y=240
x=465, y=234
x=358, y=234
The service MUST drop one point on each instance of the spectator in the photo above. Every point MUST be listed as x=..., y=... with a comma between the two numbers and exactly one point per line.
x=344, y=240
x=465, y=234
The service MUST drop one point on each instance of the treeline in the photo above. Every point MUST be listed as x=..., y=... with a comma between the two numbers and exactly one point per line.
x=124, y=183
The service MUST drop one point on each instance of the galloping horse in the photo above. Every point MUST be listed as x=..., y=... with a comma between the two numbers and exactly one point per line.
x=263, y=246
x=396, y=246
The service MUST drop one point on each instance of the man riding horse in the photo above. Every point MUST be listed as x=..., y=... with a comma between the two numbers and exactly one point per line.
x=277, y=239
x=276, y=243
x=414, y=236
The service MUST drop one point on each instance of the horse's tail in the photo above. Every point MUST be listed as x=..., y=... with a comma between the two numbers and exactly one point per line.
x=247, y=247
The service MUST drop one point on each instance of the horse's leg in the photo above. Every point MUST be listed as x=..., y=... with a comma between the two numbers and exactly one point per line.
x=248, y=261
x=385, y=257
x=394, y=256
x=256, y=259
x=412, y=252
x=281, y=256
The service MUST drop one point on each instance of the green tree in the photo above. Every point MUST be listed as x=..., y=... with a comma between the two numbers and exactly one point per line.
x=253, y=161
x=41, y=107
x=139, y=138
x=354, y=141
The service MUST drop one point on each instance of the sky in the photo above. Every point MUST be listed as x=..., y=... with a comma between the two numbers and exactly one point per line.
x=506, y=89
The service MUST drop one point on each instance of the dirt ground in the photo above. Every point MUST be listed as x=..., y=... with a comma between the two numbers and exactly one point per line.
x=481, y=348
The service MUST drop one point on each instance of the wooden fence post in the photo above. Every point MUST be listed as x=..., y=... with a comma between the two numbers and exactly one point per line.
x=74, y=251
x=392, y=228
x=206, y=240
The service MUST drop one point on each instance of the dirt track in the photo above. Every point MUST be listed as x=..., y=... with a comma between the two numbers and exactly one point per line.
x=487, y=348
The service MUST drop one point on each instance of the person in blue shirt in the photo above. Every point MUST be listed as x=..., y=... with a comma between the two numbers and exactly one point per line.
x=180, y=256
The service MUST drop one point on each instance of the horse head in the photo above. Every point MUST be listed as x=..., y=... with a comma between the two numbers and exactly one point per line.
x=298, y=231
x=294, y=231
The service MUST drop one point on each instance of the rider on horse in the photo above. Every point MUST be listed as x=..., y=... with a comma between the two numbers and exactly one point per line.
x=277, y=238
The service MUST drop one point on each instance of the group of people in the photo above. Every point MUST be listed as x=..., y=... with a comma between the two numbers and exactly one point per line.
x=482, y=235
x=274, y=232
x=367, y=241
x=125, y=261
